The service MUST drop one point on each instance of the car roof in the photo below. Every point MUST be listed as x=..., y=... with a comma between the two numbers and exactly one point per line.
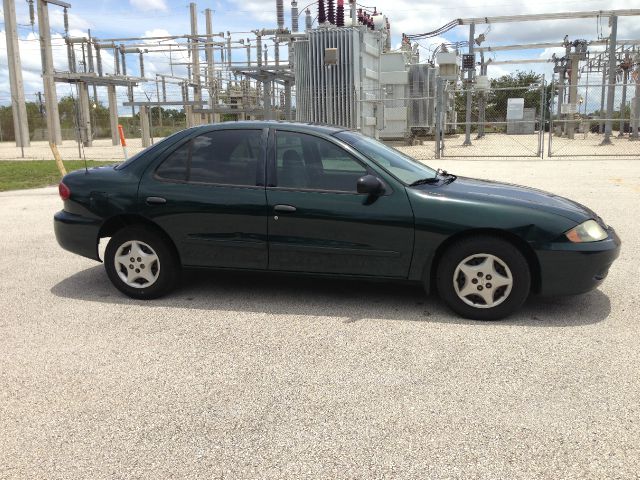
x=295, y=126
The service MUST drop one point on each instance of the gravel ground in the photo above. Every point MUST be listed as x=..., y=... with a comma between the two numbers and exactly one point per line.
x=255, y=376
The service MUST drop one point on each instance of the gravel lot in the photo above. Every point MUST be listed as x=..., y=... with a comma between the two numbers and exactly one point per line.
x=257, y=376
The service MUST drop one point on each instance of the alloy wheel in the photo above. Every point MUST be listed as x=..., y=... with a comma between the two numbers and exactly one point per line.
x=137, y=264
x=482, y=280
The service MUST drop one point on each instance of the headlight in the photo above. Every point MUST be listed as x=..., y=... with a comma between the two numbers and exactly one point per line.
x=588, y=231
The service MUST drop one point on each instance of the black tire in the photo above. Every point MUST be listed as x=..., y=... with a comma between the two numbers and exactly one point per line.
x=507, y=298
x=165, y=270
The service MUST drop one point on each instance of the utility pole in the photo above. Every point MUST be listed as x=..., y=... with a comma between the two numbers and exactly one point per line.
x=482, y=100
x=266, y=99
x=439, y=114
x=195, y=56
x=113, y=114
x=70, y=47
x=18, y=107
x=603, y=94
x=84, y=114
x=562, y=71
x=467, y=131
x=611, y=88
x=98, y=59
x=287, y=101
x=210, y=65
x=626, y=65
x=159, y=107
x=636, y=105
x=50, y=94
x=144, y=126
x=116, y=60
x=574, y=62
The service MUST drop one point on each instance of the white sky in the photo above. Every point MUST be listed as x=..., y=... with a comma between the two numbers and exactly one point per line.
x=108, y=18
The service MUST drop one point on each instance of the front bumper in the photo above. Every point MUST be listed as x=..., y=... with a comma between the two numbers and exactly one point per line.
x=573, y=268
x=77, y=234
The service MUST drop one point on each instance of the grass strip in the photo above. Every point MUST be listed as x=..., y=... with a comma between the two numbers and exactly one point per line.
x=17, y=175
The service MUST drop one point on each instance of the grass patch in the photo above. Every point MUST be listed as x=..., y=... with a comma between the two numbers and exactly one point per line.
x=16, y=175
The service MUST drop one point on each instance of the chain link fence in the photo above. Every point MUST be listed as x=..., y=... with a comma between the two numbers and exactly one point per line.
x=535, y=121
x=582, y=127
x=97, y=144
x=496, y=122
x=402, y=119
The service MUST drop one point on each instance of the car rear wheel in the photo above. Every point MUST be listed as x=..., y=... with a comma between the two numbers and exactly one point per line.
x=483, y=278
x=140, y=264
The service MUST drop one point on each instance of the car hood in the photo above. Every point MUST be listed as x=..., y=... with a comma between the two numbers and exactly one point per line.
x=504, y=193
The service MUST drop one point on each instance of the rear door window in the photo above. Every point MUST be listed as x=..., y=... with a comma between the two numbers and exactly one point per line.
x=222, y=157
x=228, y=157
x=176, y=164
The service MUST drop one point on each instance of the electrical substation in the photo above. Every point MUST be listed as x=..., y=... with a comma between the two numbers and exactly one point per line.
x=336, y=64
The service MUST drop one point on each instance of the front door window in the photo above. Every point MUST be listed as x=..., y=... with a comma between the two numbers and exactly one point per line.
x=306, y=162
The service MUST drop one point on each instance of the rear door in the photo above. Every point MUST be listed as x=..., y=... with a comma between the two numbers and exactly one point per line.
x=319, y=223
x=208, y=194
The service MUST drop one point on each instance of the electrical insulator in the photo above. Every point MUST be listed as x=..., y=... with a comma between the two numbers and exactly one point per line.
x=66, y=20
x=308, y=20
x=294, y=16
x=340, y=14
x=331, y=12
x=32, y=15
x=322, y=14
x=280, y=13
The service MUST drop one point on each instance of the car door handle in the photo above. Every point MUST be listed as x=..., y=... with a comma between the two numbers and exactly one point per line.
x=284, y=208
x=156, y=200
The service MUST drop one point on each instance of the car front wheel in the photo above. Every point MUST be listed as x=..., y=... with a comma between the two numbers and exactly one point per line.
x=483, y=278
x=140, y=264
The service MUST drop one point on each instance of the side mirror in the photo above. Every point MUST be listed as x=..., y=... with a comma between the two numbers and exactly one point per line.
x=370, y=185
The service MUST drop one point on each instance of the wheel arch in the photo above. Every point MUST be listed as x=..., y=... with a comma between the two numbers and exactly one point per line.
x=118, y=222
x=515, y=240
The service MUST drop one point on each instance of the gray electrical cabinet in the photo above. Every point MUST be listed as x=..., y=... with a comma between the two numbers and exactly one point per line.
x=526, y=126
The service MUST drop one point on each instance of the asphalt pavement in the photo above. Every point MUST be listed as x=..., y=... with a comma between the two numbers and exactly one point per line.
x=259, y=376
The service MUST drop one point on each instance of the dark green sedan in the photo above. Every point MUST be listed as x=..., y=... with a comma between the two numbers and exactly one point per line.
x=311, y=199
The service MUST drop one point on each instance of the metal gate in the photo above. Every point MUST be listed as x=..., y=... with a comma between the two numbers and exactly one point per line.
x=502, y=122
x=584, y=129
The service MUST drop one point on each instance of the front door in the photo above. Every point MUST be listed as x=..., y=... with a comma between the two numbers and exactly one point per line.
x=319, y=223
x=208, y=194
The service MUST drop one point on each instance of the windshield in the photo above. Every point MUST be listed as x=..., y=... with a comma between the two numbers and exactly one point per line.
x=403, y=167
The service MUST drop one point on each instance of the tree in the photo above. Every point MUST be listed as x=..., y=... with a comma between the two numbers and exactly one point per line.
x=525, y=85
x=517, y=85
x=67, y=108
